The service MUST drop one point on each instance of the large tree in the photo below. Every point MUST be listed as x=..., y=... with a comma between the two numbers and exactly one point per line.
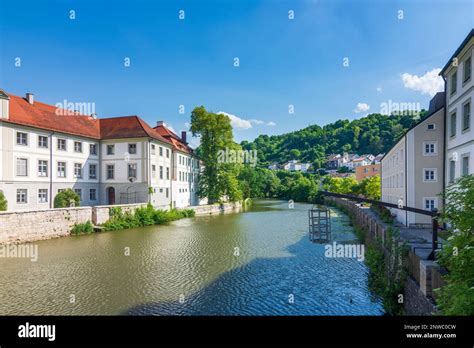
x=218, y=179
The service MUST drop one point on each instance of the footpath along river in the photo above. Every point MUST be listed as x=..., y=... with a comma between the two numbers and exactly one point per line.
x=258, y=262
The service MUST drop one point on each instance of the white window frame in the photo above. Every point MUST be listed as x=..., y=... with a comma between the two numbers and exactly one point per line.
x=40, y=200
x=18, y=133
x=435, y=174
x=95, y=172
x=25, y=196
x=65, y=169
x=78, y=146
x=431, y=129
x=110, y=146
x=40, y=173
x=435, y=202
x=81, y=174
x=60, y=141
x=435, y=148
x=90, y=191
x=26, y=166
x=40, y=145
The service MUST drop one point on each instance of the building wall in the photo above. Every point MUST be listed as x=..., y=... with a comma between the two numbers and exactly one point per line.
x=367, y=171
x=11, y=181
x=393, y=178
x=462, y=144
x=185, y=173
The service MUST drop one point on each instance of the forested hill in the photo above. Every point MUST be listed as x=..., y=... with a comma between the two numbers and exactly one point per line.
x=373, y=134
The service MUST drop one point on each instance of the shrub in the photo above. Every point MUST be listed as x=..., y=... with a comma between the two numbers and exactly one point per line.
x=3, y=202
x=82, y=228
x=66, y=198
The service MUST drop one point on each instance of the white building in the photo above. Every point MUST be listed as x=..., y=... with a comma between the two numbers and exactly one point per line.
x=412, y=170
x=119, y=160
x=459, y=99
x=295, y=165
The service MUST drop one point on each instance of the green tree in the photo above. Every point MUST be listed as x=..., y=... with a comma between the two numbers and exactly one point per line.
x=218, y=178
x=66, y=198
x=3, y=202
x=370, y=187
x=457, y=296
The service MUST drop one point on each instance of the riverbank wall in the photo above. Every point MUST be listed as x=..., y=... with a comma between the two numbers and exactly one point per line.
x=423, y=275
x=30, y=226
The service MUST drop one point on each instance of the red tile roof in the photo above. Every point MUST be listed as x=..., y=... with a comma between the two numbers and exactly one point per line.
x=173, y=139
x=49, y=117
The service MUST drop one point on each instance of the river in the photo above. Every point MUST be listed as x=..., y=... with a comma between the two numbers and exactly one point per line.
x=258, y=262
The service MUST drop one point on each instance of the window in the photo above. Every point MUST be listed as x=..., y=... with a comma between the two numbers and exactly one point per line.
x=132, y=170
x=93, y=149
x=153, y=149
x=92, y=171
x=430, y=203
x=429, y=174
x=153, y=171
x=167, y=173
x=43, y=196
x=42, y=168
x=77, y=146
x=430, y=148
x=22, y=196
x=161, y=172
x=167, y=192
x=110, y=149
x=22, y=167
x=452, y=171
x=454, y=78
x=42, y=142
x=110, y=171
x=21, y=138
x=465, y=165
x=167, y=153
x=431, y=126
x=61, y=169
x=161, y=190
x=78, y=170
x=62, y=144
x=453, y=125
x=79, y=193
x=93, y=194
x=467, y=69
x=132, y=149
x=161, y=151
x=466, y=116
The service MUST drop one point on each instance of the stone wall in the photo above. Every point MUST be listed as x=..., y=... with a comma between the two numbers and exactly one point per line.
x=29, y=226
x=423, y=274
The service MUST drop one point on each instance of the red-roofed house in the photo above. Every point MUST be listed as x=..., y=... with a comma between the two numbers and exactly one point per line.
x=45, y=149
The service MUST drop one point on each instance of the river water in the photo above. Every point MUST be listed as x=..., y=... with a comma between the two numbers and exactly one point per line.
x=259, y=262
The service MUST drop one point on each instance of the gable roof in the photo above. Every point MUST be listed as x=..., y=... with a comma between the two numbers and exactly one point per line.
x=49, y=117
x=459, y=49
x=173, y=139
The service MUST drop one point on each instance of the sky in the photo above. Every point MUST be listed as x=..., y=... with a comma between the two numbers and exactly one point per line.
x=273, y=66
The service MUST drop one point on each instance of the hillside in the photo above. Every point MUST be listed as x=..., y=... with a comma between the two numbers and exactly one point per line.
x=374, y=134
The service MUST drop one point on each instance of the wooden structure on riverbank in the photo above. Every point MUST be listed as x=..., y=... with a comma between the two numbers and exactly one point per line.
x=319, y=224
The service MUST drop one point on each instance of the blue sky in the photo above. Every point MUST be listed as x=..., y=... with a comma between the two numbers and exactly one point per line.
x=190, y=62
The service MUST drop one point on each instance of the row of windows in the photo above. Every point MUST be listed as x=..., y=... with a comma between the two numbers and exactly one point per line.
x=467, y=72
x=466, y=120
x=61, y=167
x=394, y=181
x=61, y=144
x=430, y=148
x=464, y=167
x=428, y=203
x=160, y=151
x=153, y=172
x=187, y=177
x=43, y=197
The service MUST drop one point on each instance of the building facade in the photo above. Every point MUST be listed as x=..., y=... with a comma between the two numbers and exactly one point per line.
x=119, y=160
x=459, y=87
x=367, y=171
x=412, y=170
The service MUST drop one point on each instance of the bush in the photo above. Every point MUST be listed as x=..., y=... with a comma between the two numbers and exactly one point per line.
x=3, y=202
x=66, y=198
x=82, y=228
x=383, y=213
x=144, y=216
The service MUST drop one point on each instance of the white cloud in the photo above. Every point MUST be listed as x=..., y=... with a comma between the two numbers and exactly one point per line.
x=237, y=122
x=256, y=121
x=361, y=107
x=271, y=124
x=187, y=125
x=429, y=83
x=379, y=89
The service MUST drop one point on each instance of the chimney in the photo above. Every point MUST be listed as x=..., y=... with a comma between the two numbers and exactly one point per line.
x=4, y=105
x=30, y=98
x=183, y=136
x=160, y=123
